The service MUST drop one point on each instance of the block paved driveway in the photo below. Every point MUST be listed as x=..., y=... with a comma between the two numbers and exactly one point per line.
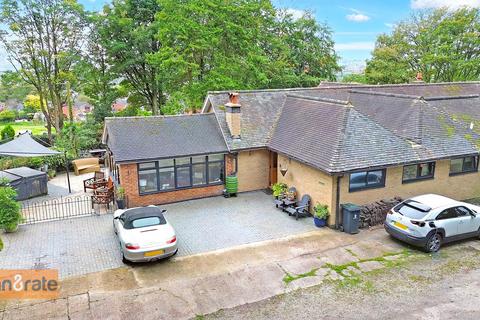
x=82, y=245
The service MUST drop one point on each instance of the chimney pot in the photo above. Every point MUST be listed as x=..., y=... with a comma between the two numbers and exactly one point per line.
x=233, y=97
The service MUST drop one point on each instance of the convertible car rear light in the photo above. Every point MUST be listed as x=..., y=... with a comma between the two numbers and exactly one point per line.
x=132, y=246
x=172, y=240
x=418, y=223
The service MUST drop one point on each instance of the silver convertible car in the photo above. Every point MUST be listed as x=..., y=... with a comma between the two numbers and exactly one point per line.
x=144, y=234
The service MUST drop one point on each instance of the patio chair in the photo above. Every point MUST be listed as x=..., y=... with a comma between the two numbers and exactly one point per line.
x=104, y=195
x=97, y=181
x=301, y=208
x=287, y=199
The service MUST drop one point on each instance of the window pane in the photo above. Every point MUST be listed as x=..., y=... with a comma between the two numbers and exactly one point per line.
x=147, y=181
x=199, y=159
x=199, y=174
x=180, y=161
x=215, y=157
x=165, y=163
x=409, y=172
x=167, y=178
x=375, y=177
x=183, y=177
x=469, y=164
x=462, y=211
x=147, y=222
x=147, y=165
x=456, y=165
x=215, y=172
x=426, y=169
x=447, y=214
x=358, y=180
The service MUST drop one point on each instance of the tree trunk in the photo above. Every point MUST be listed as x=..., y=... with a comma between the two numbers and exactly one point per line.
x=155, y=109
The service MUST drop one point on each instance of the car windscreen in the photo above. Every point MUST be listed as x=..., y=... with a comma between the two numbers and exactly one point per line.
x=412, y=209
x=148, y=222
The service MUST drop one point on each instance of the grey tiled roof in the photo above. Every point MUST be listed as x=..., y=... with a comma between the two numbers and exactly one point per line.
x=144, y=138
x=335, y=128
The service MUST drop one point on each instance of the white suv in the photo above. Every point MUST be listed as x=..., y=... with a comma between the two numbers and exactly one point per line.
x=429, y=220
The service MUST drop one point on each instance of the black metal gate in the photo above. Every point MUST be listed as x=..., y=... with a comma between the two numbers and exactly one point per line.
x=57, y=209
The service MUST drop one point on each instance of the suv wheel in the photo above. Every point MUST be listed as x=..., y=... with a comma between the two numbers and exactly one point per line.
x=434, y=243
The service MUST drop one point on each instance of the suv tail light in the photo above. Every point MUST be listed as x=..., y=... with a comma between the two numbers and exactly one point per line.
x=172, y=240
x=131, y=246
x=418, y=223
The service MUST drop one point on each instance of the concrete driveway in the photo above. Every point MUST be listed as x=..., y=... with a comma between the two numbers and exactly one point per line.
x=83, y=245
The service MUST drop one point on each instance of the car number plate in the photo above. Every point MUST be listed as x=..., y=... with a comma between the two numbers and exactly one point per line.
x=154, y=253
x=399, y=225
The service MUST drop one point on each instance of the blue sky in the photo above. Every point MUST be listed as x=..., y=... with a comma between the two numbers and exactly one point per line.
x=355, y=23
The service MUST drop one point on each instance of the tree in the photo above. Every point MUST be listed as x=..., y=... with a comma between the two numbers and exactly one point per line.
x=217, y=45
x=12, y=87
x=443, y=45
x=302, y=51
x=43, y=41
x=94, y=72
x=31, y=104
x=355, y=78
x=127, y=33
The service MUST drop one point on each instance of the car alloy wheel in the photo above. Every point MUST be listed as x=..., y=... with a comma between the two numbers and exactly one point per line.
x=434, y=243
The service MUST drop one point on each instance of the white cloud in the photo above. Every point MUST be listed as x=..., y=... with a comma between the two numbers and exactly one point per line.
x=357, y=17
x=452, y=4
x=295, y=13
x=355, y=46
x=390, y=25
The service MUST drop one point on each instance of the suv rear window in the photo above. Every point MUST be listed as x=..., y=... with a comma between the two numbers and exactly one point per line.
x=412, y=209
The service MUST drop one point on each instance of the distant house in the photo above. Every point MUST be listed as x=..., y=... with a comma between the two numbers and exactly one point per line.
x=338, y=143
x=80, y=111
x=119, y=105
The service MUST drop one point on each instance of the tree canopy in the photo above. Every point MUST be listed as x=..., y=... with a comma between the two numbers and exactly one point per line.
x=443, y=45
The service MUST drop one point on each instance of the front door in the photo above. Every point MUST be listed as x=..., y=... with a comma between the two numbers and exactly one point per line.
x=273, y=168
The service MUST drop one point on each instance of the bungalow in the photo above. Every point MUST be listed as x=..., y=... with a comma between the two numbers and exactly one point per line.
x=338, y=143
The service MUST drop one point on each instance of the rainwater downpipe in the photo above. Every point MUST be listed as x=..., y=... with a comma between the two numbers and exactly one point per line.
x=337, y=215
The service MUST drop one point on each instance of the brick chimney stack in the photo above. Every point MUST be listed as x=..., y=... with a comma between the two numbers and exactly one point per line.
x=233, y=115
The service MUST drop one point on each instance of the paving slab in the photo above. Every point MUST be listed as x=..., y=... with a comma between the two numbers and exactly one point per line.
x=370, y=266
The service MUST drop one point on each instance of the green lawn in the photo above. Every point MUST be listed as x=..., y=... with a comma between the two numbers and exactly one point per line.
x=35, y=128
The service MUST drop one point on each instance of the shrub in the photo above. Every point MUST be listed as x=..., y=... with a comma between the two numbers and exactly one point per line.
x=10, y=215
x=120, y=193
x=321, y=211
x=7, y=116
x=8, y=132
x=279, y=189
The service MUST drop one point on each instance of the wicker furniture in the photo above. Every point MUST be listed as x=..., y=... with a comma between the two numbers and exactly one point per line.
x=86, y=165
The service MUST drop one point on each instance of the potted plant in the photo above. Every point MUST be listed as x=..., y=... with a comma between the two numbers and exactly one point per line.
x=10, y=215
x=320, y=215
x=279, y=189
x=120, y=197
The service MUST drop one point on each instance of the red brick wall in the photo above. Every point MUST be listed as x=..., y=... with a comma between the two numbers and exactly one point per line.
x=129, y=180
x=229, y=164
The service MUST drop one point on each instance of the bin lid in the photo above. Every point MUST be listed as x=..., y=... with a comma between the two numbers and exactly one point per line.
x=350, y=206
x=10, y=177
x=25, y=172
